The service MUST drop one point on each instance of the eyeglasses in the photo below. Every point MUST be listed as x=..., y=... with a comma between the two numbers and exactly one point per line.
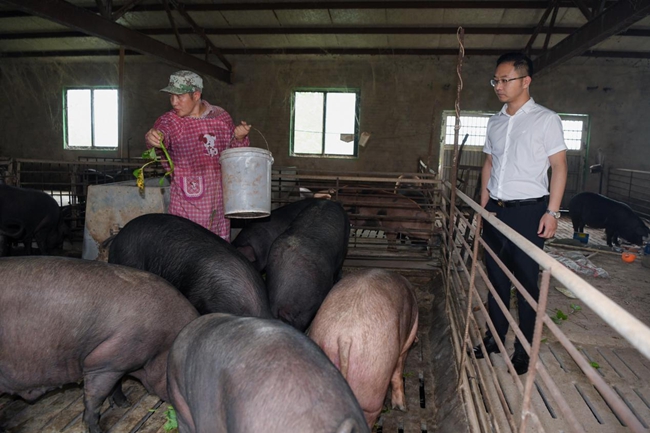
x=504, y=81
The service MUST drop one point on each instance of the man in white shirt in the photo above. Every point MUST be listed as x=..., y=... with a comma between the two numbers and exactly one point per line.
x=523, y=140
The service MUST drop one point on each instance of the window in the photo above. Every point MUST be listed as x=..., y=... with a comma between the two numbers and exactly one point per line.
x=91, y=118
x=475, y=124
x=325, y=123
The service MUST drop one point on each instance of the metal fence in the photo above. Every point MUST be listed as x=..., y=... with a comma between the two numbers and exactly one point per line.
x=68, y=181
x=500, y=402
x=392, y=215
x=631, y=187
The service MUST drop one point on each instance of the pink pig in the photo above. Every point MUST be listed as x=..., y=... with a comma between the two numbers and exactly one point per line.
x=366, y=325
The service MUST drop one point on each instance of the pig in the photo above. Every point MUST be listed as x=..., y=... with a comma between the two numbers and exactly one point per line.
x=63, y=320
x=26, y=215
x=256, y=238
x=210, y=272
x=618, y=219
x=305, y=261
x=370, y=315
x=246, y=374
x=396, y=214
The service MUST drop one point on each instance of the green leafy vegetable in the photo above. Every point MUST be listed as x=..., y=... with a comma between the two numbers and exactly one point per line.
x=151, y=155
x=172, y=422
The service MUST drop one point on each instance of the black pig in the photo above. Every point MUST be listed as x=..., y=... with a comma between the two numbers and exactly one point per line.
x=63, y=320
x=28, y=214
x=210, y=272
x=305, y=261
x=618, y=219
x=243, y=374
x=256, y=238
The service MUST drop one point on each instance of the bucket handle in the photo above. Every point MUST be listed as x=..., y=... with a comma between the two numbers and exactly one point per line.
x=260, y=132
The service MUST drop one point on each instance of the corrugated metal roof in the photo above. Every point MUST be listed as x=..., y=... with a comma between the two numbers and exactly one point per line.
x=267, y=27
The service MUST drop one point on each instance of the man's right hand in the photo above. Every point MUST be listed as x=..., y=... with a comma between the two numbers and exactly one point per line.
x=153, y=137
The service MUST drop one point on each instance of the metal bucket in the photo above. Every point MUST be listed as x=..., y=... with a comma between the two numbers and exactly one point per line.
x=246, y=182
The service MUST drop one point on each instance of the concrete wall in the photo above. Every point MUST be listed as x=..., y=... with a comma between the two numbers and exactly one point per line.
x=402, y=99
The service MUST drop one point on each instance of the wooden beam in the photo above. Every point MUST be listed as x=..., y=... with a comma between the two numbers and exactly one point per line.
x=583, y=8
x=325, y=51
x=549, y=32
x=612, y=21
x=173, y=23
x=124, y=9
x=315, y=5
x=180, y=7
x=354, y=30
x=540, y=24
x=77, y=18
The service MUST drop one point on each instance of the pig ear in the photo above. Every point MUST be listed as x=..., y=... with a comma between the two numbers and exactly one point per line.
x=248, y=252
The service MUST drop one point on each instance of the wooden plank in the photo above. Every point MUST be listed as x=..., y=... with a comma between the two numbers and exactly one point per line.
x=137, y=414
x=115, y=413
x=390, y=264
x=77, y=425
x=35, y=416
x=156, y=422
x=67, y=415
x=11, y=410
x=68, y=397
x=5, y=400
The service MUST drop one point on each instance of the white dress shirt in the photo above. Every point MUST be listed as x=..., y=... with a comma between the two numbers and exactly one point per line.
x=520, y=146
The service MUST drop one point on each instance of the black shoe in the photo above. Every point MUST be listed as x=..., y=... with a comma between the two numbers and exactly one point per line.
x=520, y=361
x=490, y=346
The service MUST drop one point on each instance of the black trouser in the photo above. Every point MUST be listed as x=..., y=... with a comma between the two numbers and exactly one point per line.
x=525, y=221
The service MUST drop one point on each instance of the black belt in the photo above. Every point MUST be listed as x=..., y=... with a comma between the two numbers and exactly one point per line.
x=517, y=203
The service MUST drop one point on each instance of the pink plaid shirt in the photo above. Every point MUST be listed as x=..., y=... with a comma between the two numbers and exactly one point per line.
x=194, y=145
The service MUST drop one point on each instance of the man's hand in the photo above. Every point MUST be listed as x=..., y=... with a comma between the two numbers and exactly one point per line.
x=547, y=226
x=153, y=137
x=242, y=131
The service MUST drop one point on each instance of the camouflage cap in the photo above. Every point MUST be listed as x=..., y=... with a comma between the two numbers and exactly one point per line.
x=183, y=82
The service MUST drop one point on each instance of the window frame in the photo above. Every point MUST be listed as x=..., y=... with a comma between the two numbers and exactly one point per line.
x=584, y=139
x=92, y=146
x=325, y=91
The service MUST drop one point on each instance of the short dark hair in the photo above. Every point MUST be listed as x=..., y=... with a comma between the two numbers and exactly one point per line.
x=519, y=60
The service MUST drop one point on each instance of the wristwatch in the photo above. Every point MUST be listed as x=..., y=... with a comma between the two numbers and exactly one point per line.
x=555, y=215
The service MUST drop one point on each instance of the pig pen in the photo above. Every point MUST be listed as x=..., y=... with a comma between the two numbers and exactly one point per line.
x=444, y=392
x=432, y=396
x=430, y=381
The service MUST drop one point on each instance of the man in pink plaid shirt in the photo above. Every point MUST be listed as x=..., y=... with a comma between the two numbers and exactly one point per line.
x=195, y=133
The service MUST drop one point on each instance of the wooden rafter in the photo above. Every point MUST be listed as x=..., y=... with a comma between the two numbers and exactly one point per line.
x=124, y=9
x=173, y=24
x=611, y=21
x=584, y=9
x=549, y=31
x=180, y=7
x=539, y=26
x=90, y=23
x=354, y=30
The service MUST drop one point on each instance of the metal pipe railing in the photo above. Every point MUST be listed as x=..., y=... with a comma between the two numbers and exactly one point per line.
x=622, y=322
